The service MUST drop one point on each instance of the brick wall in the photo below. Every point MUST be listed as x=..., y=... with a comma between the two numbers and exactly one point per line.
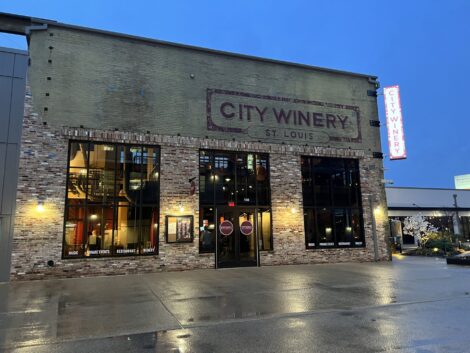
x=42, y=174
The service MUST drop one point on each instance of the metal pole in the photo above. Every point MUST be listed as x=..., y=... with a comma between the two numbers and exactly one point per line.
x=374, y=230
x=216, y=222
x=457, y=236
x=256, y=234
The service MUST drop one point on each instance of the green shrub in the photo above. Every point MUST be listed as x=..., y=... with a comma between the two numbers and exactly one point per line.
x=437, y=244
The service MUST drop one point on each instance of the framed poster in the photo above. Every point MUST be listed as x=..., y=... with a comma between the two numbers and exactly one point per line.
x=179, y=229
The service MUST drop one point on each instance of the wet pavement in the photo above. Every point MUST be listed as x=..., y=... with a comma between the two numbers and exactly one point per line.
x=409, y=305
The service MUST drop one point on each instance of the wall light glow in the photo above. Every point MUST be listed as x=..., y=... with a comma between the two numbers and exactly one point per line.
x=40, y=207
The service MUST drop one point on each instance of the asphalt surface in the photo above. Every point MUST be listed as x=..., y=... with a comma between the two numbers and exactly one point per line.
x=409, y=305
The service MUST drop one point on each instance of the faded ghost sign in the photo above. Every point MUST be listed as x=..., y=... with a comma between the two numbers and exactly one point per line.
x=281, y=119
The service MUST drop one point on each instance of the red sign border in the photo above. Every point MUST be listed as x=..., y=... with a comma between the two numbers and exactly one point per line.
x=214, y=127
x=404, y=155
x=233, y=228
x=252, y=228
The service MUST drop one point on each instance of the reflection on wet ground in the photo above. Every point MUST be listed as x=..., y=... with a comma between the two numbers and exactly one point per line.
x=409, y=305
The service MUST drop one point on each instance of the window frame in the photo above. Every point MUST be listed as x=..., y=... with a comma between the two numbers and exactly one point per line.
x=211, y=154
x=310, y=203
x=114, y=204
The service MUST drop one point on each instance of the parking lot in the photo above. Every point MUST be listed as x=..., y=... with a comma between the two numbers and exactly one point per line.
x=409, y=305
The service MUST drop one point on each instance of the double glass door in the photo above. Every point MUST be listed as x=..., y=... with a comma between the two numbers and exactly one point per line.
x=236, y=237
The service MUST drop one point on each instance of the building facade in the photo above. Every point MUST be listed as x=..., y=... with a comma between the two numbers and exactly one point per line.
x=139, y=155
x=13, y=65
x=447, y=210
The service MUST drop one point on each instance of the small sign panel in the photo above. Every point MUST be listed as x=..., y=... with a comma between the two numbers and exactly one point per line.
x=396, y=135
x=462, y=181
x=226, y=228
x=246, y=228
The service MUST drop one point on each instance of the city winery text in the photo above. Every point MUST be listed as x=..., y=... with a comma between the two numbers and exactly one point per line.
x=283, y=116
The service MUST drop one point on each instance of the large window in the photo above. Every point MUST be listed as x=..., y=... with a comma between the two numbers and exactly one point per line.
x=233, y=179
x=112, y=203
x=332, y=203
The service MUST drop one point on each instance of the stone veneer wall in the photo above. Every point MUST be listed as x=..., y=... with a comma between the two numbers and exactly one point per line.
x=38, y=236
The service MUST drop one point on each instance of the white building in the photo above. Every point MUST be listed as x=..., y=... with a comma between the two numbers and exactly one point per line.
x=446, y=209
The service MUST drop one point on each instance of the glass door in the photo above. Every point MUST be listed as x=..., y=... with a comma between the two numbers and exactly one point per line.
x=236, y=237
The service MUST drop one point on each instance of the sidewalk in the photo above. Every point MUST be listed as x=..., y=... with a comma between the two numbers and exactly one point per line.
x=61, y=314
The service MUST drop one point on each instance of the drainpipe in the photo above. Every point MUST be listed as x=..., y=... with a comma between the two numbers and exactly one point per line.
x=374, y=230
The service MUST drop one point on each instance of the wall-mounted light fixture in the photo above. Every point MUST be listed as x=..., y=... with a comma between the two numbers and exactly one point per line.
x=377, y=210
x=40, y=206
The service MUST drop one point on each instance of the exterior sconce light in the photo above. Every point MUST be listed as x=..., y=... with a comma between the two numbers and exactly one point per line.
x=181, y=208
x=293, y=210
x=40, y=206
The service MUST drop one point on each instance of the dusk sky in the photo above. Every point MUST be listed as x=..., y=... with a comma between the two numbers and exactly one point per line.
x=422, y=46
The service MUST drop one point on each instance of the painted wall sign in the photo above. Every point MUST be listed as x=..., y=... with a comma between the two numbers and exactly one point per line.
x=396, y=135
x=261, y=101
x=246, y=228
x=281, y=118
x=226, y=228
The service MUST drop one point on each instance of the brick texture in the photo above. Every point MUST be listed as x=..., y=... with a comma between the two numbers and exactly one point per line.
x=42, y=174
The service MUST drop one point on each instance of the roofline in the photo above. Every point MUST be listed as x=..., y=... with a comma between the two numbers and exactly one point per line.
x=409, y=208
x=33, y=20
x=418, y=188
x=13, y=51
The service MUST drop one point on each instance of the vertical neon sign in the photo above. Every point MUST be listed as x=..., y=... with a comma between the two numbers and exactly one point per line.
x=396, y=135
